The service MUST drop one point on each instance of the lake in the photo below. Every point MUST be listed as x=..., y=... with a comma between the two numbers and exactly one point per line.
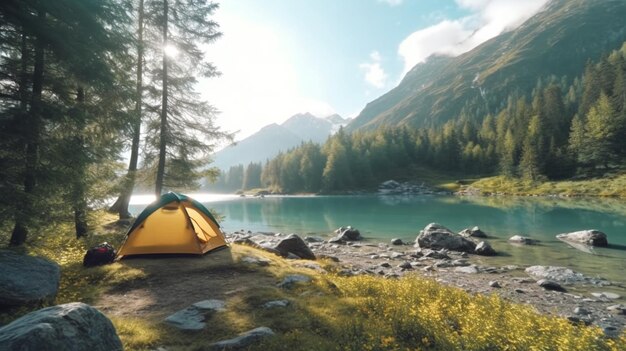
x=380, y=218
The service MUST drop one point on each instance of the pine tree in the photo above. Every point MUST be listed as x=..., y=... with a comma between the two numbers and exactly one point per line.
x=57, y=70
x=184, y=123
x=601, y=132
x=252, y=176
x=531, y=162
x=577, y=139
x=507, y=158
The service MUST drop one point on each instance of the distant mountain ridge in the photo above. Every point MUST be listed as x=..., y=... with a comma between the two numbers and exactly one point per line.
x=274, y=138
x=558, y=41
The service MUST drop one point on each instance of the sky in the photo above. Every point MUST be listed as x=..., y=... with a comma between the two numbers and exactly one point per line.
x=278, y=58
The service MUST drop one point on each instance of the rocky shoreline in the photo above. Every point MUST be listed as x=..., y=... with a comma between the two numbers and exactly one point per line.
x=550, y=290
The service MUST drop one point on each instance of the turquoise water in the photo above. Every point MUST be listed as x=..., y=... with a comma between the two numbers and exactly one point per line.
x=380, y=218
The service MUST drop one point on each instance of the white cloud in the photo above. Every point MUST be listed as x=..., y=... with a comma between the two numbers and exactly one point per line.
x=392, y=2
x=374, y=73
x=488, y=19
x=259, y=84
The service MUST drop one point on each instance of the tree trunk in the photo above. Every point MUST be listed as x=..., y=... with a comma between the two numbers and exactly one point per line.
x=33, y=121
x=80, y=203
x=121, y=204
x=163, y=133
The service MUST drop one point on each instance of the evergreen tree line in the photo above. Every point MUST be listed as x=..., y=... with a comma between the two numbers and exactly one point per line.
x=563, y=128
x=85, y=82
x=238, y=178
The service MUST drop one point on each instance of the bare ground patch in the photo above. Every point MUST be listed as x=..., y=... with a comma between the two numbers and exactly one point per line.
x=175, y=282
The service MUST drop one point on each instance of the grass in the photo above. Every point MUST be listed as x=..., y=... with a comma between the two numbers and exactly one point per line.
x=608, y=186
x=331, y=313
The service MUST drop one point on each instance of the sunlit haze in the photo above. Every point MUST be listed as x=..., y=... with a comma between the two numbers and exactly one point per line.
x=171, y=50
x=279, y=58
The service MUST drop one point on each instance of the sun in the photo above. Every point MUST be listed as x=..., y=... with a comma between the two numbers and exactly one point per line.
x=170, y=50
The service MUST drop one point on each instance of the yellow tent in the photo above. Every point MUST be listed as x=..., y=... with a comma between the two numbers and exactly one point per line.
x=175, y=224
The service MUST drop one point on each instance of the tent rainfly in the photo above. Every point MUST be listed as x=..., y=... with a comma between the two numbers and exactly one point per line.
x=175, y=224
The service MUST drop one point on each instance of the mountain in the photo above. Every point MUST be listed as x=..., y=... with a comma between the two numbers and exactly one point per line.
x=557, y=41
x=308, y=127
x=274, y=138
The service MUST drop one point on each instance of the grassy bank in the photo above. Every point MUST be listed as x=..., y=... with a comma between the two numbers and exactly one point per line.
x=330, y=313
x=608, y=186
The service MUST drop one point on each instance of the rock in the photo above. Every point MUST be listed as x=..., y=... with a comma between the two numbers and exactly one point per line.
x=443, y=264
x=522, y=240
x=484, y=249
x=589, y=237
x=405, y=265
x=494, y=284
x=27, y=280
x=396, y=241
x=436, y=236
x=618, y=309
x=328, y=257
x=580, y=311
x=576, y=320
x=313, y=239
x=345, y=234
x=460, y=263
x=438, y=255
x=192, y=318
x=295, y=245
x=276, y=303
x=473, y=232
x=385, y=264
x=468, y=269
x=608, y=295
x=610, y=330
x=72, y=326
x=557, y=274
x=243, y=340
x=396, y=255
x=212, y=305
x=256, y=261
x=550, y=285
x=291, y=280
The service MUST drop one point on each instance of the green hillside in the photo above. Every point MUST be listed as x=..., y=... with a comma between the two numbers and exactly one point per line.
x=557, y=41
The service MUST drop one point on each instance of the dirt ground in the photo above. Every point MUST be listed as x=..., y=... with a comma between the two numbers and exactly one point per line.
x=175, y=282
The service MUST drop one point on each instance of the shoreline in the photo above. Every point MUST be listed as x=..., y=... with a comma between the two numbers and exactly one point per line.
x=467, y=272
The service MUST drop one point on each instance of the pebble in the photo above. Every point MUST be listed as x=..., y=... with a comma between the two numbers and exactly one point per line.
x=494, y=284
x=617, y=309
x=608, y=295
x=405, y=265
x=550, y=285
x=580, y=311
x=468, y=269
x=396, y=241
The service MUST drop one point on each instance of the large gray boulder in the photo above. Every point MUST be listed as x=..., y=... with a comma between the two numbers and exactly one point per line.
x=346, y=234
x=589, y=237
x=435, y=236
x=295, y=245
x=73, y=326
x=26, y=279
